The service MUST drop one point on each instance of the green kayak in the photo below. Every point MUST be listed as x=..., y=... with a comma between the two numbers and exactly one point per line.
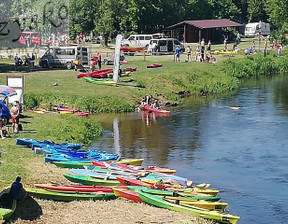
x=7, y=205
x=80, y=165
x=174, y=194
x=204, y=213
x=86, y=180
x=60, y=196
x=100, y=82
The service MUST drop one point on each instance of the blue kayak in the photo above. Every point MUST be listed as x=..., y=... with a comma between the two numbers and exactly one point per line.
x=32, y=142
x=50, y=158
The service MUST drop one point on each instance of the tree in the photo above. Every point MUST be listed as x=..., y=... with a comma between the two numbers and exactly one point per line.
x=256, y=10
x=278, y=11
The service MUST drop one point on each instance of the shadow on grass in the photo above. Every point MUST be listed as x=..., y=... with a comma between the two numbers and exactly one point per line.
x=10, y=68
x=27, y=210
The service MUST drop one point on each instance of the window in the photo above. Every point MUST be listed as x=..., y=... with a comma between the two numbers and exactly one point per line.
x=141, y=37
x=131, y=38
x=148, y=38
x=162, y=42
x=176, y=42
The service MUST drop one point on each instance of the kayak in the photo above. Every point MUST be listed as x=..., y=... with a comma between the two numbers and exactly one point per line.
x=95, y=73
x=125, y=48
x=224, y=52
x=78, y=164
x=127, y=194
x=85, y=180
x=130, y=69
x=146, y=107
x=100, y=82
x=204, y=213
x=177, y=195
x=60, y=196
x=32, y=142
x=7, y=205
x=133, y=182
x=81, y=114
x=74, y=188
x=154, y=66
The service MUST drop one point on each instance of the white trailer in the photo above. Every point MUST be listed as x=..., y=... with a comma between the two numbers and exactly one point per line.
x=255, y=29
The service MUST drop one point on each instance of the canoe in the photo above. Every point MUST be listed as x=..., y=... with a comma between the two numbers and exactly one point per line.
x=7, y=205
x=60, y=196
x=74, y=188
x=75, y=164
x=86, y=180
x=101, y=82
x=146, y=107
x=154, y=65
x=204, y=213
x=127, y=194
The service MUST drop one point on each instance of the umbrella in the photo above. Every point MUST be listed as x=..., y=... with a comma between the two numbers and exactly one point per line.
x=7, y=91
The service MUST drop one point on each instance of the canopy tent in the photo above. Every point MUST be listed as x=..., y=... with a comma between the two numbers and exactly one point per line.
x=7, y=91
x=194, y=30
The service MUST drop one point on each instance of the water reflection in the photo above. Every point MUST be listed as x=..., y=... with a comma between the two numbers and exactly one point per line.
x=238, y=143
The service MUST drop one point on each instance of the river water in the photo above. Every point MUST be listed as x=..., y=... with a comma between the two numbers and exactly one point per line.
x=238, y=143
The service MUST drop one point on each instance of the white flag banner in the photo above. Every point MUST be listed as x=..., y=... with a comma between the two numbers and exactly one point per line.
x=117, y=57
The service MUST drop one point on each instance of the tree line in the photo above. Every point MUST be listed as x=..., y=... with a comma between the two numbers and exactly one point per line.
x=110, y=17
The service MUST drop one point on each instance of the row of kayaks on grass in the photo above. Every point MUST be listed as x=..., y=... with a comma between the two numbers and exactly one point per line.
x=199, y=207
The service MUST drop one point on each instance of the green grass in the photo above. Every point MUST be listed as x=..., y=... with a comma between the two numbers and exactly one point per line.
x=165, y=83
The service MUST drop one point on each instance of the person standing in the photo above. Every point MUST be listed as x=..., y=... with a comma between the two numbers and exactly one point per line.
x=99, y=60
x=209, y=46
x=189, y=51
x=15, y=114
x=177, y=54
x=225, y=44
x=17, y=191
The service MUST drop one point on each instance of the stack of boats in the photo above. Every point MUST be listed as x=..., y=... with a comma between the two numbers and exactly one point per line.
x=96, y=179
x=70, y=152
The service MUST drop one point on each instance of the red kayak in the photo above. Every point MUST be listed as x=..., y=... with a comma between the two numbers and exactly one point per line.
x=95, y=74
x=127, y=194
x=154, y=66
x=82, y=114
x=130, y=69
x=146, y=107
x=74, y=188
x=133, y=182
x=61, y=108
x=124, y=48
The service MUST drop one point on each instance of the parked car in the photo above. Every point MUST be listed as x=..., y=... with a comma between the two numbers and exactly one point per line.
x=65, y=57
x=165, y=45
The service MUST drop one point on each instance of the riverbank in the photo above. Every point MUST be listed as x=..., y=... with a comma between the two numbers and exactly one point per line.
x=166, y=82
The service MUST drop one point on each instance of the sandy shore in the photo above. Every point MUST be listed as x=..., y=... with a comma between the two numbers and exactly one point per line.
x=117, y=211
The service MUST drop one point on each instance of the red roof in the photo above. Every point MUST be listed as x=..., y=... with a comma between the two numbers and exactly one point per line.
x=205, y=24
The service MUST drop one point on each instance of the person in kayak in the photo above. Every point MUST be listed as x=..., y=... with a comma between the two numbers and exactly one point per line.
x=155, y=105
x=17, y=191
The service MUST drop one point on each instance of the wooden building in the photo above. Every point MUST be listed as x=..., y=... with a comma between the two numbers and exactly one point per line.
x=192, y=31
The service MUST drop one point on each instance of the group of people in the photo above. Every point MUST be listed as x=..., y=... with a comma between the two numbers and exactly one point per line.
x=152, y=103
x=95, y=61
x=200, y=53
x=15, y=114
x=28, y=61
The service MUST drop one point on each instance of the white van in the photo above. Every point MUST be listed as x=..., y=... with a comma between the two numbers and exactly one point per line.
x=254, y=29
x=165, y=45
x=140, y=40
x=64, y=57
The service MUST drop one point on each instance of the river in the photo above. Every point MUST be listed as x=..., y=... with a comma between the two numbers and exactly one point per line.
x=238, y=143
